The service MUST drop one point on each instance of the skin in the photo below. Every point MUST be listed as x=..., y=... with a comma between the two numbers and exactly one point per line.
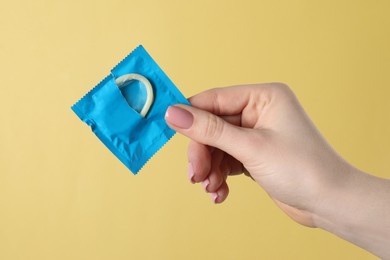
x=263, y=132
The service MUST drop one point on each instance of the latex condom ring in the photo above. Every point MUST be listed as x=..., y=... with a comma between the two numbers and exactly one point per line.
x=123, y=80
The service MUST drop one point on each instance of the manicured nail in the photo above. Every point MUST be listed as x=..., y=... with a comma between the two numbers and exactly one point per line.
x=205, y=183
x=179, y=117
x=214, y=196
x=191, y=173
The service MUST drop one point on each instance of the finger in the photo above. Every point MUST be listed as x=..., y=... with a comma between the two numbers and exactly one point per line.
x=223, y=101
x=215, y=178
x=230, y=166
x=221, y=194
x=233, y=119
x=199, y=161
x=232, y=100
x=206, y=128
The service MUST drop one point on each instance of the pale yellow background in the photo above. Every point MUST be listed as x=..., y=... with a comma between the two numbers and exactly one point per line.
x=63, y=195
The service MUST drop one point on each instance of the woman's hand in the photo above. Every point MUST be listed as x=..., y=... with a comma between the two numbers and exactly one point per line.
x=262, y=131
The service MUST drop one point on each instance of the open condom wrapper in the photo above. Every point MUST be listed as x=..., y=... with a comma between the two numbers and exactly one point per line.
x=113, y=112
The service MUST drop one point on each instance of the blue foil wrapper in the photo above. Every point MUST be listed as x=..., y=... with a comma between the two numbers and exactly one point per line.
x=113, y=113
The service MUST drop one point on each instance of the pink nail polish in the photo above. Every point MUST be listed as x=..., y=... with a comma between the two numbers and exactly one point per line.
x=205, y=184
x=214, y=196
x=179, y=117
x=191, y=173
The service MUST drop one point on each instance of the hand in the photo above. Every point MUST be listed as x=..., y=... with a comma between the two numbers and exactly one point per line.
x=260, y=130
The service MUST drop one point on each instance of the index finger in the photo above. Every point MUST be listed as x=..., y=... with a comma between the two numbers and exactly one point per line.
x=225, y=101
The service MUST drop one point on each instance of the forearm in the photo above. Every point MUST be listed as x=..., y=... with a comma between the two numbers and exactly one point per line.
x=358, y=209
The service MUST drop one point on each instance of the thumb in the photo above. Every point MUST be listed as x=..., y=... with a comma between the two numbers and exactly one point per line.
x=208, y=129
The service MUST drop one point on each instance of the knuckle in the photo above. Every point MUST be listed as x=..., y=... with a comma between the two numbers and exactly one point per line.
x=216, y=181
x=281, y=85
x=282, y=91
x=281, y=88
x=216, y=103
x=214, y=128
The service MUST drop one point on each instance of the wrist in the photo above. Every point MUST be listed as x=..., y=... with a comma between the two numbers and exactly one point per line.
x=336, y=201
x=355, y=207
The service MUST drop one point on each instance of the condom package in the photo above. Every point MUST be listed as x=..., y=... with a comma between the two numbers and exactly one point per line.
x=126, y=109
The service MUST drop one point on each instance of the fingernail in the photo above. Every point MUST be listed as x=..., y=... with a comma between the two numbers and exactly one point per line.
x=205, y=183
x=191, y=173
x=179, y=117
x=214, y=196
